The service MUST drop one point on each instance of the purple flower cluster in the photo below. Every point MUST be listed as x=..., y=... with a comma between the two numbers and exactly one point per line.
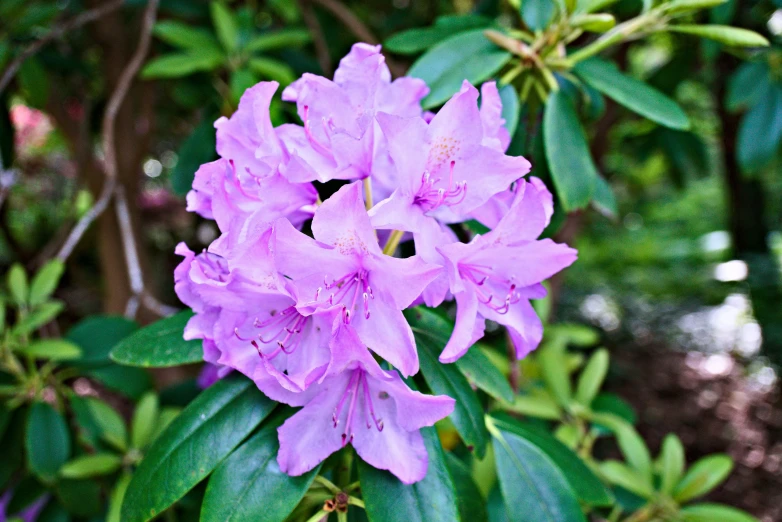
x=307, y=317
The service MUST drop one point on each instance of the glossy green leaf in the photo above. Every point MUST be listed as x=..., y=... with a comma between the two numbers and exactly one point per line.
x=248, y=486
x=432, y=499
x=511, y=108
x=533, y=488
x=225, y=24
x=193, y=445
x=592, y=377
x=724, y=34
x=747, y=85
x=185, y=36
x=177, y=65
x=97, y=335
x=51, y=349
x=416, y=40
x=159, y=345
x=91, y=466
x=18, y=286
x=495, y=505
x=466, y=56
x=703, y=476
x=98, y=422
x=45, y=281
x=567, y=153
x=538, y=14
x=472, y=507
x=47, y=441
x=40, y=316
x=281, y=39
x=144, y=418
x=760, y=131
x=626, y=477
x=584, y=482
x=671, y=463
x=714, y=513
x=631, y=93
x=480, y=371
x=431, y=333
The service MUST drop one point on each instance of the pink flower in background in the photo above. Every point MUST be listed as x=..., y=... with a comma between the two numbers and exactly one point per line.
x=31, y=127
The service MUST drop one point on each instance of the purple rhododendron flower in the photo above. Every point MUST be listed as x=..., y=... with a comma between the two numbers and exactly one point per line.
x=307, y=315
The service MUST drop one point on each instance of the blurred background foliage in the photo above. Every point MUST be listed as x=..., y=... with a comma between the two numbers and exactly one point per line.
x=680, y=241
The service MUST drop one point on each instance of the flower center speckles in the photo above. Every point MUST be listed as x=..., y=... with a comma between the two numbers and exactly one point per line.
x=284, y=328
x=350, y=243
x=484, y=282
x=357, y=384
x=347, y=290
x=429, y=197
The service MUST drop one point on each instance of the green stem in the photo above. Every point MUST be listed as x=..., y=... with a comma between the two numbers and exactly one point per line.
x=393, y=242
x=612, y=37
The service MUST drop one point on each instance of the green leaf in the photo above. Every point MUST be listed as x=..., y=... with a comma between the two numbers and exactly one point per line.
x=414, y=41
x=281, y=39
x=91, y=466
x=127, y=381
x=12, y=443
x=686, y=152
x=681, y=6
x=567, y=153
x=471, y=504
x=592, y=377
x=225, y=24
x=116, y=497
x=671, y=463
x=584, y=482
x=703, y=476
x=479, y=370
x=466, y=56
x=551, y=358
x=17, y=284
x=431, y=334
x=97, y=335
x=197, y=149
x=612, y=403
x=594, y=23
x=54, y=512
x=47, y=441
x=81, y=498
x=185, y=36
x=241, y=80
x=40, y=316
x=714, y=513
x=760, y=131
x=604, y=198
x=176, y=65
x=193, y=445
x=533, y=488
x=624, y=476
x=538, y=14
x=273, y=69
x=46, y=281
x=511, y=108
x=34, y=83
x=631, y=93
x=159, y=345
x=99, y=422
x=432, y=499
x=724, y=34
x=27, y=491
x=144, y=419
x=249, y=486
x=542, y=407
x=630, y=442
x=53, y=349
x=747, y=85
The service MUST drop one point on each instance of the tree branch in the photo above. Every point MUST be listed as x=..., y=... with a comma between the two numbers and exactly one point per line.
x=74, y=23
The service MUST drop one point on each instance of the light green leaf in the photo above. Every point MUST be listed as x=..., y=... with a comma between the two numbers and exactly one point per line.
x=273, y=70
x=594, y=23
x=52, y=349
x=536, y=406
x=467, y=56
x=551, y=359
x=604, y=198
x=592, y=377
x=225, y=25
x=715, y=513
x=117, y=495
x=567, y=152
x=682, y=6
x=16, y=280
x=241, y=80
x=38, y=317
x=46, y=281
x=144, y=419
x=671, y=463
x=91, y=466
x=176, y=65
x=479, y=370
x=281, y=39
x=622, y=475
x=631, y=93
x=99, y=422
x=630, y=442
x=703, y=476
x=186, y=36
x=724, y=34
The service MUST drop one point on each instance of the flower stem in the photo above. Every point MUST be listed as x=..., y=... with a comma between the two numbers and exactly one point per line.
x=368, y=193
x=393, y=242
